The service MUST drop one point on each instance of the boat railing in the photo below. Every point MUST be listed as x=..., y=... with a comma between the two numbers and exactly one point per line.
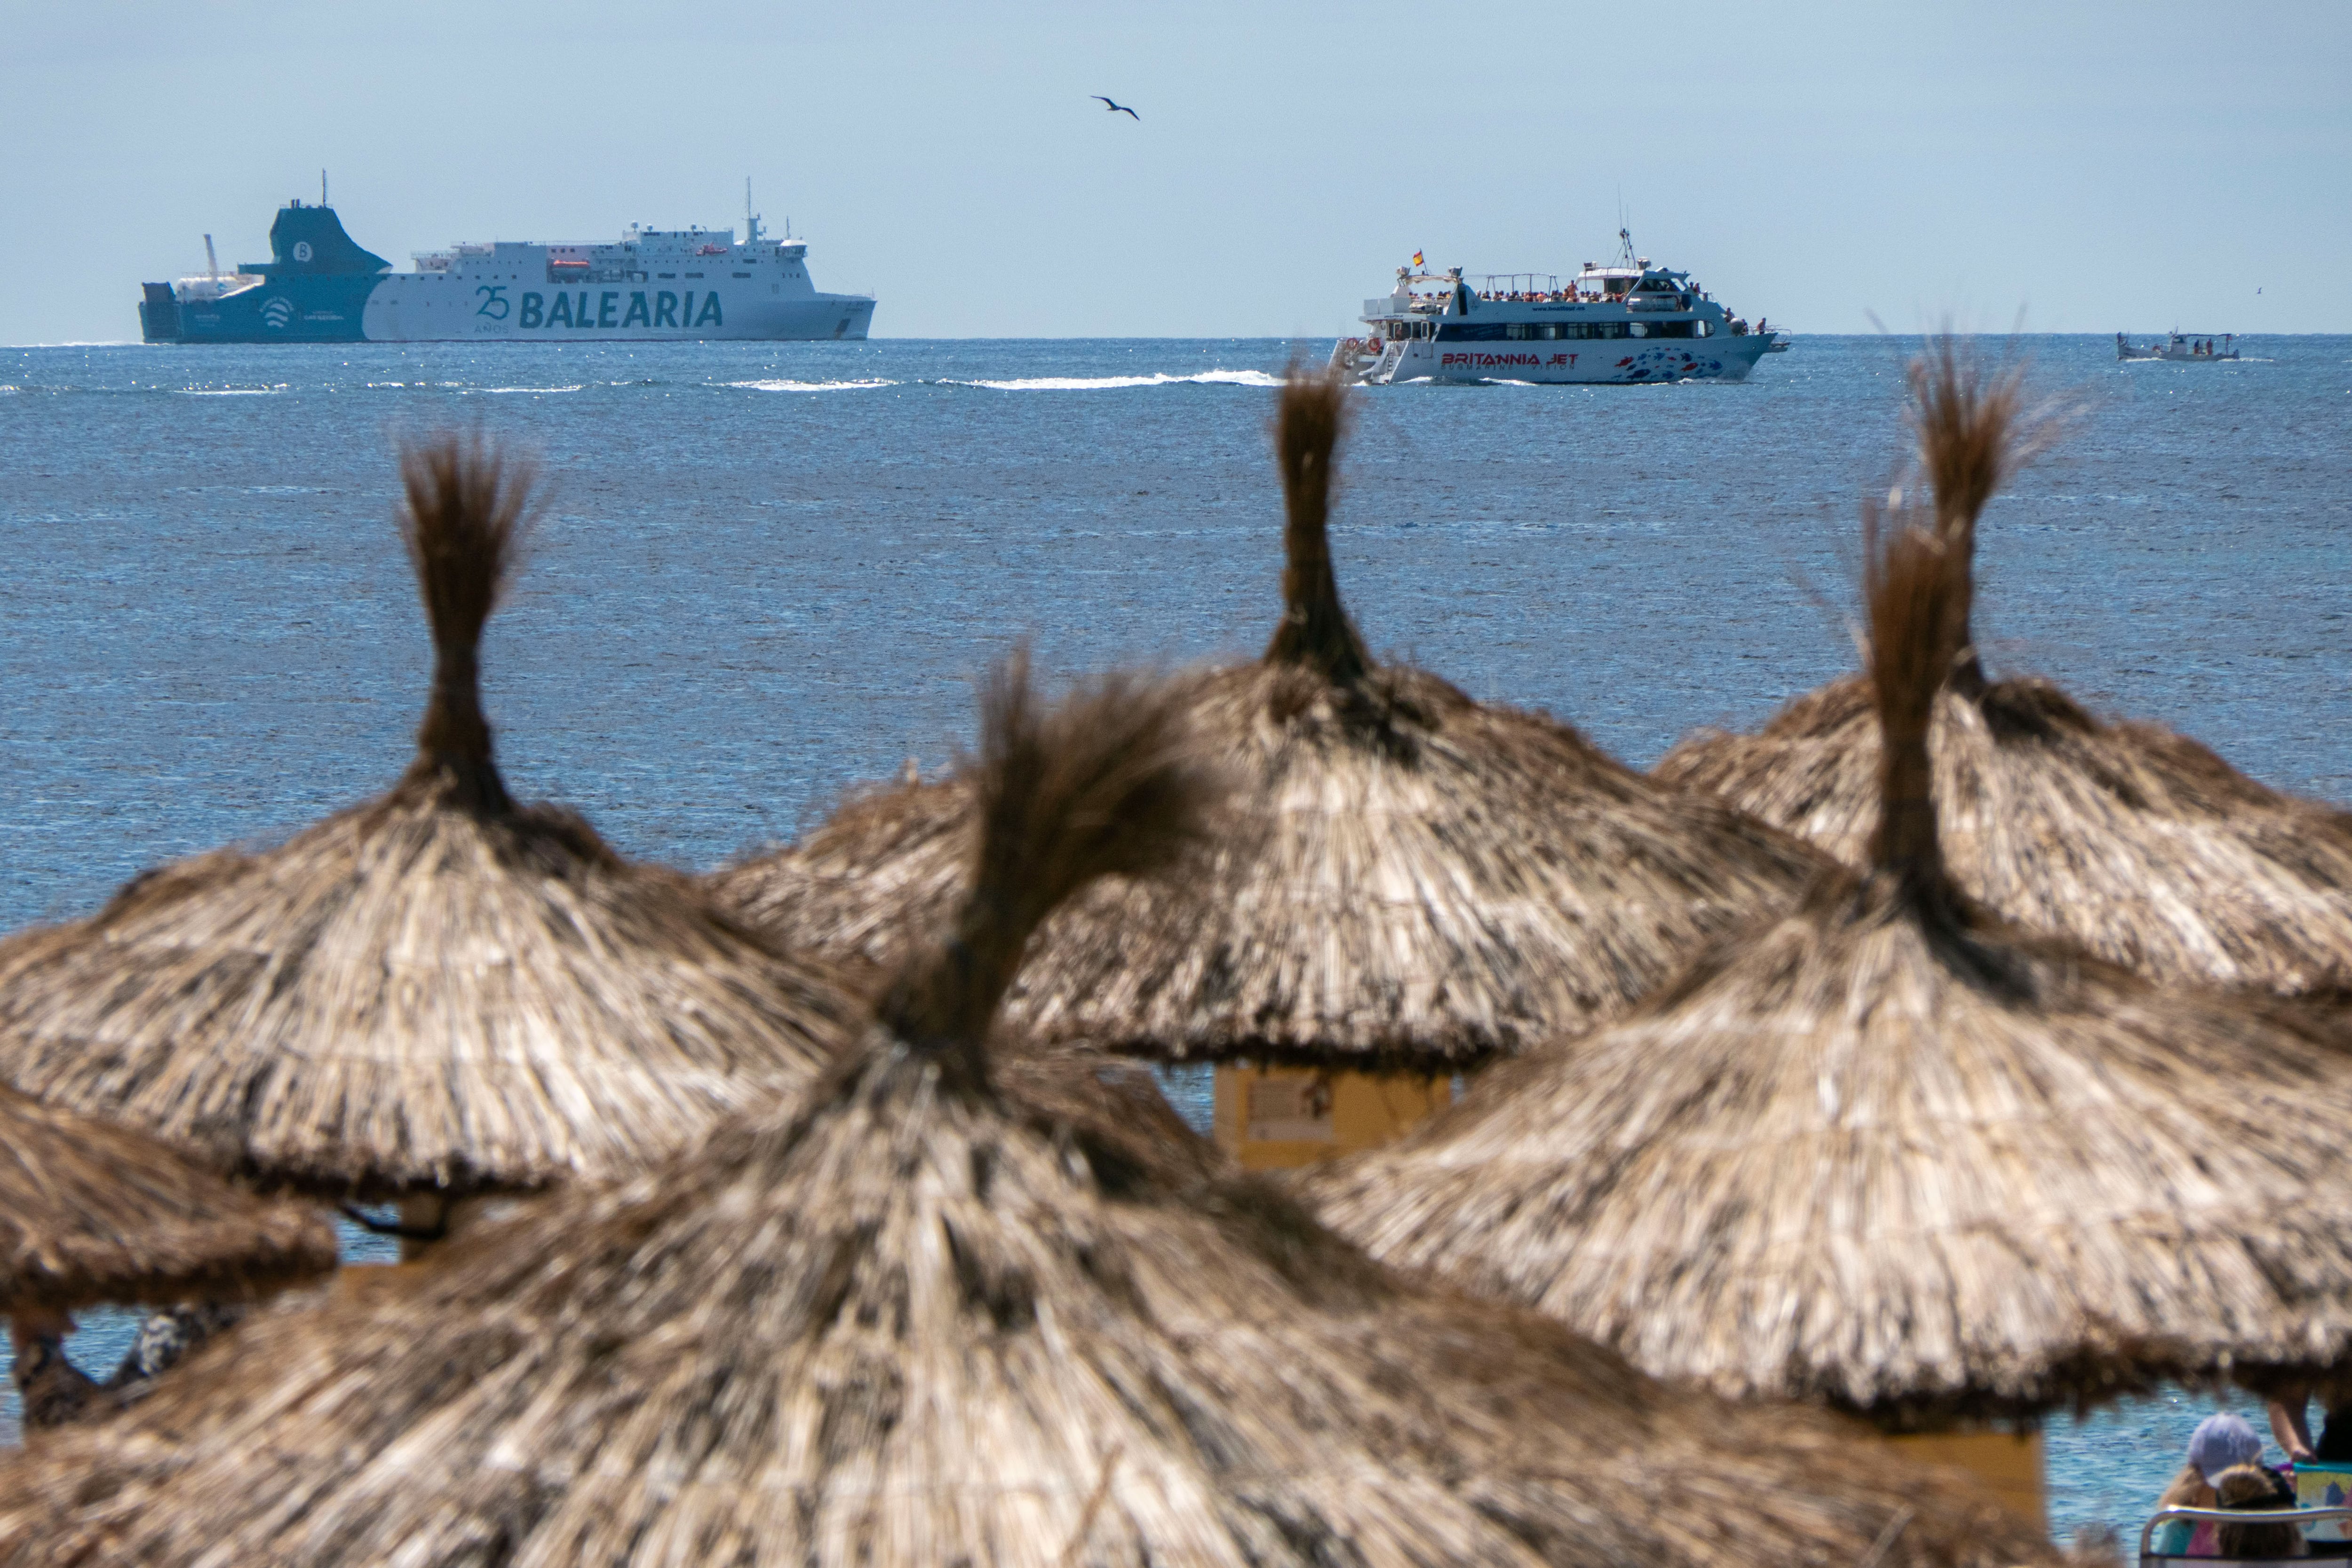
x=2148, y=1556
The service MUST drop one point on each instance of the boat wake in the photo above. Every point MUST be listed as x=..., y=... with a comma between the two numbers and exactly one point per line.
x=810, y=385
x=1121, y=382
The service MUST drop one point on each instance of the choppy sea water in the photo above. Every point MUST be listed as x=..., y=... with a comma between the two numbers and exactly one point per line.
x=769, y=572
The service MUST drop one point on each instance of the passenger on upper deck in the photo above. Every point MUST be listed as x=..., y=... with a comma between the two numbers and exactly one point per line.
x=2220, y=1443
x=2288, y=1417
x=2256, y=1490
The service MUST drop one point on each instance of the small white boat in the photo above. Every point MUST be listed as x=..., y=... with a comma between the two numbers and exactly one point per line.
x=1626, y=323
x=2187, y=346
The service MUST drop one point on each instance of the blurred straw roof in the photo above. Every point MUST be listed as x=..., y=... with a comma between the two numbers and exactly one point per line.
x=91, y=1212
x=1405, y=879
x=436, y=988
x=922, y=1320
x=1896, y=1153
x=2140, y=844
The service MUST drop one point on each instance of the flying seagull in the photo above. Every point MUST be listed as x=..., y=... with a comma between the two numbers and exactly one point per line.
x=1118, y=107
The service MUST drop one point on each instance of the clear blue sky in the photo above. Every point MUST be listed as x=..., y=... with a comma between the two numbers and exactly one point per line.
x=2098, y=166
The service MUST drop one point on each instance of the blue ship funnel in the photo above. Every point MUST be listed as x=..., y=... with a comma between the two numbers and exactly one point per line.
x=310, y=240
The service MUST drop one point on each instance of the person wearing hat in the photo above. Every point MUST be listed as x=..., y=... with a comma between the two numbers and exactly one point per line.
x=2220, y=1443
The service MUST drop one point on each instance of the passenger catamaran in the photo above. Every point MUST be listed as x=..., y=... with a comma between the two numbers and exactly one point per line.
x=1628, y=322
x=320, y=286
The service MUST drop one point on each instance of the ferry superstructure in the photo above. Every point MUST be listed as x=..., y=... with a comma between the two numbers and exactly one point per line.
x=1625, y=322
x=684, y=284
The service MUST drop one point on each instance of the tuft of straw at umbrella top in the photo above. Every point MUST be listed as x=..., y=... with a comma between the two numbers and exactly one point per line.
x=924, y=1318
x=437, y=990
x=2137, y=842
x=91, y=1212
x=1894, y=1154
x=1403, y=880
x=464, y=524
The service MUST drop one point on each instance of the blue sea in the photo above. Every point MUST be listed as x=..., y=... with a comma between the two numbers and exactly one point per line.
x=766, y=573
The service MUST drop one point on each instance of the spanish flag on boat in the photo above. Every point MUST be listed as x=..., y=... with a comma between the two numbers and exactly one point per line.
x=1417, y=260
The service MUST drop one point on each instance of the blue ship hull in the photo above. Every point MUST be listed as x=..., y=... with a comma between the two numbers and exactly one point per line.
x=294, y=311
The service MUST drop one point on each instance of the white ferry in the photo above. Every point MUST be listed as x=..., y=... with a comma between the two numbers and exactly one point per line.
x=321, y=286
x=1625, y=322
x=2187, y=346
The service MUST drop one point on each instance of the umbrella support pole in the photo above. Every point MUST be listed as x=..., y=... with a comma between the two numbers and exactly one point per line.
x=1277, y=1119
x=2009, y=1465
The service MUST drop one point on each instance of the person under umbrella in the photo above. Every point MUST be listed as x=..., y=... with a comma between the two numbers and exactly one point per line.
x=1894, y=1154
x=94, y=1213
x=436, y=995
x=918, y=1318
x=2140, y=844
x=1406, y=883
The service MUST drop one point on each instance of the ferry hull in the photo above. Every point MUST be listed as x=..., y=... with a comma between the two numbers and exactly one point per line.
x=1619, y=363
x=411, y=308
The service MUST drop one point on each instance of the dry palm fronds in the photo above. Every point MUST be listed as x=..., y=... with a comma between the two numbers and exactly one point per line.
x=93, y=1212
x=921, y=1320
x=436, y=989
x=1896, y=1153
x=2137, y=843
x=1403, y=879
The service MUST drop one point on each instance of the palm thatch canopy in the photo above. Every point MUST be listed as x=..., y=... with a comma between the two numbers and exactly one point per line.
x=2140, y=844
x=1896, y=1153
x=91, y=1212
x=924, y=1319
x=1405, y=880
x=439, y=988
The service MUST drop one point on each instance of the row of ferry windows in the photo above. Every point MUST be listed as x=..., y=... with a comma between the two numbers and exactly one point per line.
x=1494, y=332
x=1505, y=332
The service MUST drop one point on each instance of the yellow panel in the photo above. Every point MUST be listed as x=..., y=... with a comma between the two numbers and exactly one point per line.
x=1277, y=1118
x=2007, y=1463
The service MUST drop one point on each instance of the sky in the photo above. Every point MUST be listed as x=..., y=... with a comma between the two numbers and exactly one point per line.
x=1837, y=167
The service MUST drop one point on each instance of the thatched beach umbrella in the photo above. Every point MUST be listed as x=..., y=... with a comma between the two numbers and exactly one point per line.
x=1405, y=881
x=920, y=1318
x=1896, y=1153
x=440, y=990
x=90, y=1211
x=93, y=1212
x=2140, y=844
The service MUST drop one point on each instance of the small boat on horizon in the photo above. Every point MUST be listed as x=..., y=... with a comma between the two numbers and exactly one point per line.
x=2185, y=346
x=1628, y=322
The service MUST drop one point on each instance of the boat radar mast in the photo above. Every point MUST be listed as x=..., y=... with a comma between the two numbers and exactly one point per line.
x=751, y=218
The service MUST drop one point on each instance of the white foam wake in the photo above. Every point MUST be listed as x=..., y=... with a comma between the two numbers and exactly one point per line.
x=534, y=388
x=1118, y=383
x=231, y=391
x=809, y=386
